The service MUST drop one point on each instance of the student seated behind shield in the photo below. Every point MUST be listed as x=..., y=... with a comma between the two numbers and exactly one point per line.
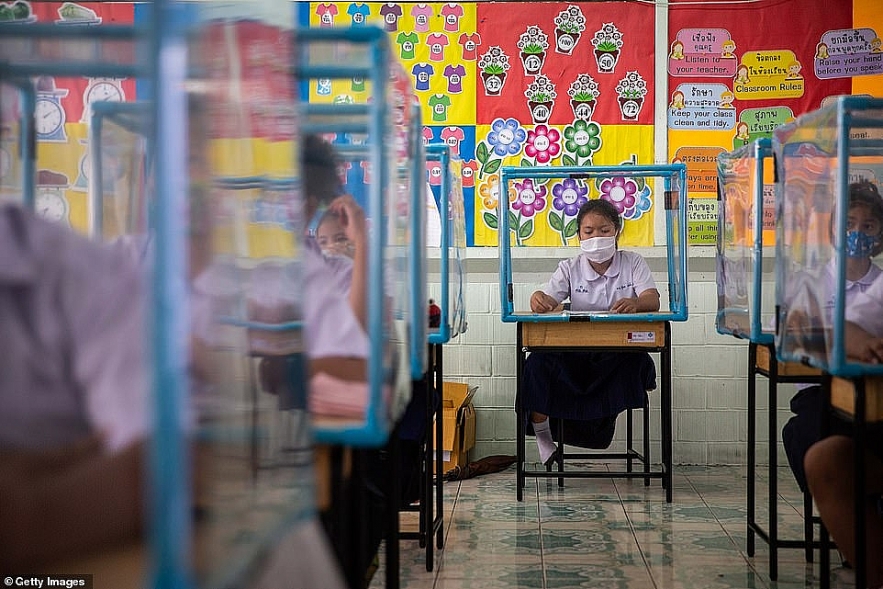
x=591, y=388
x=73, y=392
x=864, y=240
x=829, y=463
x=334, y=296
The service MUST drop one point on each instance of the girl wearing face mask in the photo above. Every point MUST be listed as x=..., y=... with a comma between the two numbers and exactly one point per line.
x=864, y=240
x=589, y=389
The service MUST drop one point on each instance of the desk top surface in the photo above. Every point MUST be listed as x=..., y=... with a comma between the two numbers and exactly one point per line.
x=587, y=334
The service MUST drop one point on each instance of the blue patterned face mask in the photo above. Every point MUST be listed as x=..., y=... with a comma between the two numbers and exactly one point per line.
x=860, y=245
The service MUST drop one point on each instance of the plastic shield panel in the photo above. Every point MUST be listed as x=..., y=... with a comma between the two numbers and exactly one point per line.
x=824, y=161
x=560, y=192
x=745, y=280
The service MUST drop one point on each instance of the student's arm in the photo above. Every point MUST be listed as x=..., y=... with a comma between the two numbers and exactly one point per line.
x=559, y=285
x=352, y=220
x=647, y=299
x=540, y=302
x=349, y=369
x=862, y=345
x=58, y=505
x=646, y=302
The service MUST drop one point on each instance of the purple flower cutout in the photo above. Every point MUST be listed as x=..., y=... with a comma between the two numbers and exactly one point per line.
x=620, y=191
x=569, y=196
x=506, y=137
x=530, y=198
x=643, y=203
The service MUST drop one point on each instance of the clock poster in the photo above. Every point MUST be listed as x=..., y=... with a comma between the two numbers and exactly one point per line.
x=62, y=112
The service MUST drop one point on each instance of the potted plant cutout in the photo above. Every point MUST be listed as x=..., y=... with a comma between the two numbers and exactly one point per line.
x=583, y=92
x=533, y=44
x=569, y=25
x=540, y=99
x=607, y=42
x=631, y=91
x=493, y=65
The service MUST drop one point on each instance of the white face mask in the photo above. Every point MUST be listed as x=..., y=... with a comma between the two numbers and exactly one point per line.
x=599, y=249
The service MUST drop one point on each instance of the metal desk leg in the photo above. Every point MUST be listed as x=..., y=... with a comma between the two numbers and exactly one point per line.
x=630, y=436
x=859, y=437
x=439, y=450
x=392, y=515
x=824, y=537
x=773, y=468
x=666, y=415
x=824, y=558
x=519, y=417
x=646, y=418
x=752, y=440
x=807, y=526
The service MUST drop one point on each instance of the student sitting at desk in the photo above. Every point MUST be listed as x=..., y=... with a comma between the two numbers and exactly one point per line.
x=829, y=463
x=74, y=393
x=864, y=240
x=591, y=388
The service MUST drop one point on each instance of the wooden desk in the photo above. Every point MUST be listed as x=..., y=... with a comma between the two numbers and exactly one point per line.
x=860, y=399
x=601, y=336
x=762, y=360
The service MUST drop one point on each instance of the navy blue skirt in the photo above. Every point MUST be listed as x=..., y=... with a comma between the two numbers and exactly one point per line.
x=587, y=385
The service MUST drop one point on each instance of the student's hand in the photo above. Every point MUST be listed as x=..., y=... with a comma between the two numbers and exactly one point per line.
x=872, y=351
x=352, y=217
x=628, y=305
x=540, y=302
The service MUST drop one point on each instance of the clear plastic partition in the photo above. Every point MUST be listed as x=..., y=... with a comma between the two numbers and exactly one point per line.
x=246, y=280
x=411, y=178
x=12, y=129
x=121, y=179
x=444, y=177
x=745, y=243
x=369, y=130
x=527, y=189
x=829, y=164
x=96, y=416
x=457, y=214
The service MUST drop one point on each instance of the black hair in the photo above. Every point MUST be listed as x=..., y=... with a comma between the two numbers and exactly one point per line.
x=865, y=193
x=320, y=162
x=601, y=207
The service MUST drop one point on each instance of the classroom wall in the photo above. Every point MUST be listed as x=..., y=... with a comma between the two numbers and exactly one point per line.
x=709, y=370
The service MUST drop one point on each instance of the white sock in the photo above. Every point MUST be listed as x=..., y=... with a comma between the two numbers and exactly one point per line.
x=545, y=443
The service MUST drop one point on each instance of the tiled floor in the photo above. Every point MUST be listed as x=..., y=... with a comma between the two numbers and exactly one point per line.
x=610, y=533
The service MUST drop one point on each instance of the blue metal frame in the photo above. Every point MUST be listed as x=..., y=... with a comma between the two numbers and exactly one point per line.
x=847, y=111
x=759, y=150
x=675, y=236
x=170, y=533
x=374, y=431
x=417, y=255
x=439, y=152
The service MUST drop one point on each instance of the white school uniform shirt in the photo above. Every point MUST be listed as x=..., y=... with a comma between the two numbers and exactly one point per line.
x=852, y=288
x=72, y=319
x=331, y=327
x=628, y=276
x=866, y=310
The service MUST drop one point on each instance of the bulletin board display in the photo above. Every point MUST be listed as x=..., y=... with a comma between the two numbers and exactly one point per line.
x=554, y=85
x=737, y=72
x=63, y=109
